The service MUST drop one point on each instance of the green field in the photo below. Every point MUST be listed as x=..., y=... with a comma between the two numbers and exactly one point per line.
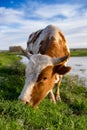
x=78, y=52
x=69, y=114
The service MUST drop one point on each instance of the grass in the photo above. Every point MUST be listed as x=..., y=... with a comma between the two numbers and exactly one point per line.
x=69, y=114
x=78, y=52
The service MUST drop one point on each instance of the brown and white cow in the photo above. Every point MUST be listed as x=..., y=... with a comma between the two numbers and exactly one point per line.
x=46, y=66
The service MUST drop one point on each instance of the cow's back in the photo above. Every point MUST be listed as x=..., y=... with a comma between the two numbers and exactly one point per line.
x=49, y=41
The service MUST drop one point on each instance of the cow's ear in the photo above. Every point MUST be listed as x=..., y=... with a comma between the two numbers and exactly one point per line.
x=61, y=69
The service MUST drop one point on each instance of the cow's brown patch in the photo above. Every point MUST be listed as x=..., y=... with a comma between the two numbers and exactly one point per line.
x=62, y=69
x=44, y=46
x=54, y=48
x=62, y=36
x=45, y=82
x=64, y=44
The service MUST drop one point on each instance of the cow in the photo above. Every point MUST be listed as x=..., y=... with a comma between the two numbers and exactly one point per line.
x=48, y=54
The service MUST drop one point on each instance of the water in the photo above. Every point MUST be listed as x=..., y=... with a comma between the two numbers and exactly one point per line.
x=78, y=64
x=79, y=67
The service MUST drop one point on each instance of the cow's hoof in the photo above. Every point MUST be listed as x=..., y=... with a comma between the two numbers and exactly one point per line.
x=58, y=98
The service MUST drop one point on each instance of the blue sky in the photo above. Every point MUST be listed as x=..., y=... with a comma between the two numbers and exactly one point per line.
x=19, y=18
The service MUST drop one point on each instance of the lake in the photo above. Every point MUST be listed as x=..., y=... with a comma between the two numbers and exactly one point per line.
x=79, y=67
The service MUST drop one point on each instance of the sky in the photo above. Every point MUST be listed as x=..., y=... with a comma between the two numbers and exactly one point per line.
x=19, y=18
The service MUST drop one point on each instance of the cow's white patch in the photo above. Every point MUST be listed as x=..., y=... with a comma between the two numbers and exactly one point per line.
x=27, y=90
x=36, y=64
x=56, y=78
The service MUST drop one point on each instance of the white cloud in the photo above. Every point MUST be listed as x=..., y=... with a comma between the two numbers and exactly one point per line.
x=49, y=11
x=17, y=24
x=10, y=16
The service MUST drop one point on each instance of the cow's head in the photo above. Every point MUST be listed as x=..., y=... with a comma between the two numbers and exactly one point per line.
x=42, y=72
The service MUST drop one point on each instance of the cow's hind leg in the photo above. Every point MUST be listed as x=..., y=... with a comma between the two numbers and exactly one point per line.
x=57, y=93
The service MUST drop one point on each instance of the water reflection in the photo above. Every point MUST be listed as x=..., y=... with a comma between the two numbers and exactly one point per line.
x=79, y=67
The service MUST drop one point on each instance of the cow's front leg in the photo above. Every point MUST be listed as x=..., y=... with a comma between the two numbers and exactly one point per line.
x=52, y=97
x=57, y=94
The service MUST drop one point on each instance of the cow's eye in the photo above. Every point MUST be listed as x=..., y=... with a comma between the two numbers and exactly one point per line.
x=44, y=78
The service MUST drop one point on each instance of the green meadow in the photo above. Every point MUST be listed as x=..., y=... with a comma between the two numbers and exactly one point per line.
x=79, y=52
x=69, y=114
